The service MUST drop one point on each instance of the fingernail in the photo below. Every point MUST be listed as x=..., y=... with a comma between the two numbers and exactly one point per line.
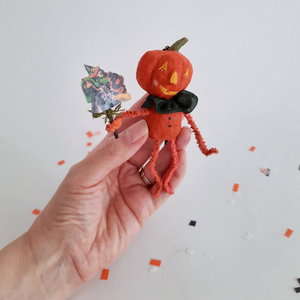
x=136, y=132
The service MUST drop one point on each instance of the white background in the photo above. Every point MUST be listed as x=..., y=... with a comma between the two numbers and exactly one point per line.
x=245, y=56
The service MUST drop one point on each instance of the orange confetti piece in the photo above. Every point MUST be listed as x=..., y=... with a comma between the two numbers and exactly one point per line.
x=104, y=274
x=36, y=212
x=89, y=144
x=61, y=162
x=252, y=148
x=89, y=134
x=235, y=187
x=97, y=133
x=155, y=262
x=288, y=233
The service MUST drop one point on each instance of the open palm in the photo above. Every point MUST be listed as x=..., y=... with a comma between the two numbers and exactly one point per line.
x=102, y=203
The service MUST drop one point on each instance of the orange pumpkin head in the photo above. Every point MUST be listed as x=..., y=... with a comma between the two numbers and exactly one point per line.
x=164, y=73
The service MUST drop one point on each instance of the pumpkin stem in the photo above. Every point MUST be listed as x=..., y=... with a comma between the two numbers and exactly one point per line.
x=177, y=45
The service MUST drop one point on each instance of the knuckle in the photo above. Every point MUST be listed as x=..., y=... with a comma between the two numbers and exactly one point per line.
x=109, y=148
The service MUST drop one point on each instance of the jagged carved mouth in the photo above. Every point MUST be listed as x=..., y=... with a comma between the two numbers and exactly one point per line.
x=166, y=92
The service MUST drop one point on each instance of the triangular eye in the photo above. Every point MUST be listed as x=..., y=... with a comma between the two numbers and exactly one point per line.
x=186, y=73
x=164, y=66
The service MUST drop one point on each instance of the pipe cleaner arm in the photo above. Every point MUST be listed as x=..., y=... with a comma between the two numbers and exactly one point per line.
x=199, y=138
x=127, y=114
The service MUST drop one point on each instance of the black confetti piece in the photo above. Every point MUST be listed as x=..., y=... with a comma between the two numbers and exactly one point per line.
x=193, y=223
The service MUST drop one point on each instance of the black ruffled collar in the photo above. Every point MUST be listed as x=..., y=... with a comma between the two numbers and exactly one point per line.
x=184, y=102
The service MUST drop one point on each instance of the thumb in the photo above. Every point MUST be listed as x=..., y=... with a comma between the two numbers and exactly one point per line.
x=111, y=153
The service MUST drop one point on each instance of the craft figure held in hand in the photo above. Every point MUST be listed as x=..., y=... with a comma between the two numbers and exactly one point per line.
x=165, y=74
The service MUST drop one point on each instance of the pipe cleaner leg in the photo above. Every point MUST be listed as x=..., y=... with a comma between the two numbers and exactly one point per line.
x=199, y=138
x=152, y=161
x=173, y=168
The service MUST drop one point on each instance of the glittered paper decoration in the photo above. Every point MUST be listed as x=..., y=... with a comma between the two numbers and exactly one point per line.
x=105, y=91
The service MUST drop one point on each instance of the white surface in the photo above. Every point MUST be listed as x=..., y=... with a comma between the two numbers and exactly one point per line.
x=246, y=63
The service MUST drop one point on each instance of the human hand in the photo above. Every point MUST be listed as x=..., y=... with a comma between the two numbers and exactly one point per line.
x=102, y=203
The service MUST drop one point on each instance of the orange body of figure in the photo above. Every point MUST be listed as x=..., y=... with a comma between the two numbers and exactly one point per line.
x=163, y=127
x=164, y=74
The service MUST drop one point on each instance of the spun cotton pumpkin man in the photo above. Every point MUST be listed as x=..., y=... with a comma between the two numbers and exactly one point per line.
x=164, y=74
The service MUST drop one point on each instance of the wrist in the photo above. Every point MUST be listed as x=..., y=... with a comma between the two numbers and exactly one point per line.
x=53, y=266
x=32, y=269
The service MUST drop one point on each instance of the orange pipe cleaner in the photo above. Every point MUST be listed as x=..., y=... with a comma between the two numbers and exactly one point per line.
x=152, y=161
x=130, y=114
x=173, y=168
x=199, y=138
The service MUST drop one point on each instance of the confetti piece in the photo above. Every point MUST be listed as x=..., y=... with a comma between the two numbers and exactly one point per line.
x=235, y=187
x=237, y=194
x=230, y=201
x=155, y=262
x=297, y=290
x=248, y=236
x=152, y=269
x=207, y=255
x=298, y=279
x=61, y=162
x=190, y=250
x=193, y=223
x=97, y=133
x=104, y=275
x=252, y=149
x=89, y=144
x=89, y=134
x=288, y=233
x=36, y=212
x=267, y=172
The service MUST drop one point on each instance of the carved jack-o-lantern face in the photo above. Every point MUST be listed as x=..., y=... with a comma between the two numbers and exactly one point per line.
x=164, y=73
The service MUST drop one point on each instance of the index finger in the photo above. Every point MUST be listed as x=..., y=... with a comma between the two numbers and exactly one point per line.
x=135, y=107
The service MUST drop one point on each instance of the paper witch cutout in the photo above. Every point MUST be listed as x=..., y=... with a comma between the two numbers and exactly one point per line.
x=164, y=74
x=104, y=91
